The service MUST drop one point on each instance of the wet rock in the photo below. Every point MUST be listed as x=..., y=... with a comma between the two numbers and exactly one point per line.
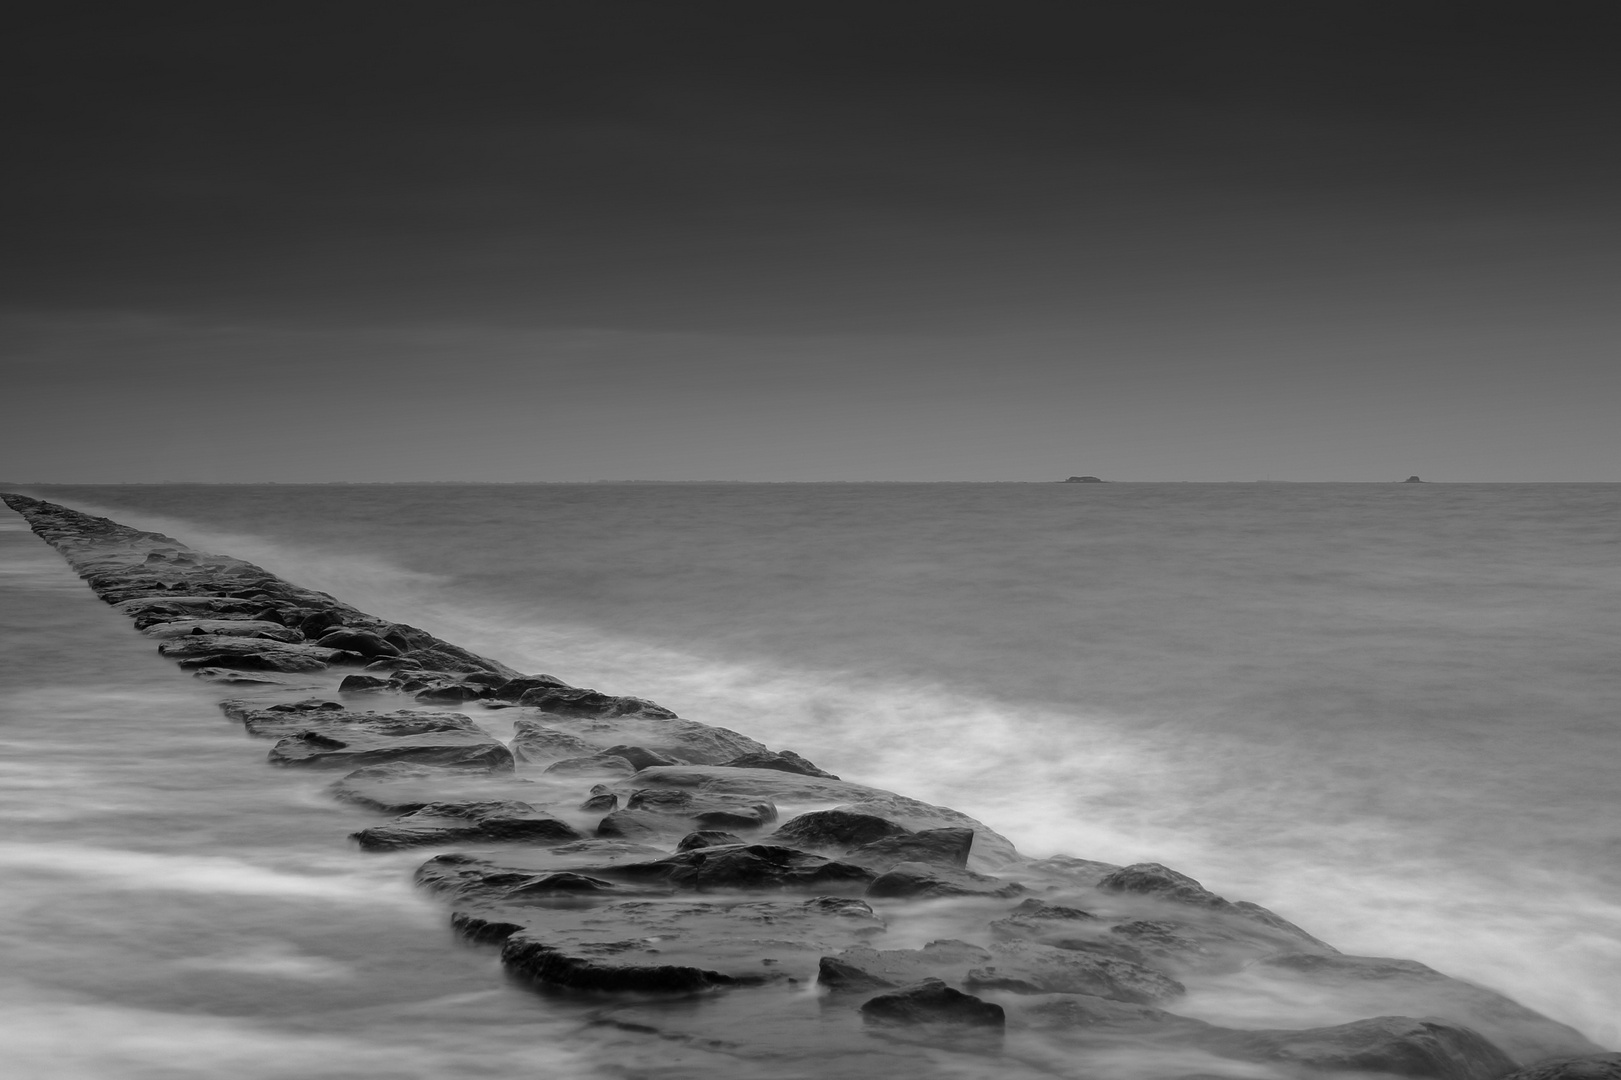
x=513, y=689
x=481, y=822
x=640, y=757
x=638, y=825
x=364, y=642
x=936, y=847
x=1590, y=1067
x=478, y=929
x=449, y=692
x=595, y=765
x=685, y=809
x=923, y=881
x=1165, y=884
x=590, y=704
x=600, y=801
x=837, y=830
x=751, y=866
x=537, y=743
x=400, y=787
x=1370, y=983
x=244, y=628
x=932, y=1002
x=708, y=838
x=1387, y=1045
x=252, y=654
x=605, y=972
x=1028, y=968
x=330, y=745
x=353, y=683
x=991, y=850
x=781, y=760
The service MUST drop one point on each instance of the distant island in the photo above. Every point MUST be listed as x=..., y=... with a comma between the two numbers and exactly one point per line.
x=1412, y=480
x=1095, y=480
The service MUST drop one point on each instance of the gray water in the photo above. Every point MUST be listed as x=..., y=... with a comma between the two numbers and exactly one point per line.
x=1387, y=712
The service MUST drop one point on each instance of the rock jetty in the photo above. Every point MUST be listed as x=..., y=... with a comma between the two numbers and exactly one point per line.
x=642, y=862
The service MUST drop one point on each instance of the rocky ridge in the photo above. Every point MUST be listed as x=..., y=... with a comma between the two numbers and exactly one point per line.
x=619, y=852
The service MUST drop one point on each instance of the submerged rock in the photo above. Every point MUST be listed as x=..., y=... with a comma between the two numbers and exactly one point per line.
x=932, y=1002
x=1386, y=1045
x=1593, y=1067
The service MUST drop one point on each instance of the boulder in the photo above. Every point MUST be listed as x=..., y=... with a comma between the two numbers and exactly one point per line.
x=595, y=765
x=836, y=830
x=355, y=683
x=364, y=642
x=932, y=1002
x=1029, y=968
x=708, y=838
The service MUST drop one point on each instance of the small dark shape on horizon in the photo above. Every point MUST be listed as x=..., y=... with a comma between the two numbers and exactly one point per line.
x=1412, y=480
x=1085, y=480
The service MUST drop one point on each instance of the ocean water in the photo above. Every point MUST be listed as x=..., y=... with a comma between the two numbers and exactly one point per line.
x=1388, y=712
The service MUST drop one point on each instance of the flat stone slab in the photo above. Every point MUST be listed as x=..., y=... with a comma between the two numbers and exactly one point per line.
x=680, y=740
x=468, y=822
x=218, y=650
x=350, y=745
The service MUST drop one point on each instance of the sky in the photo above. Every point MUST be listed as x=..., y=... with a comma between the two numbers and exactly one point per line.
x=686, y=240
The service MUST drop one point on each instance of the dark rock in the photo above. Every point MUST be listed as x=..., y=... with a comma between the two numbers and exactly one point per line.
x=317, y=623
x=708, y=838
x=687, y=808
x=449, y=692
x=636, y=825
x=364, y=642
x=251, y=654
x=991, y=850
x=595, y=765
x=329, y=745
x=1412, y=480
x=401, y=787
x=1163, y=883
x=485, y=822
x=782, y=760
x=1591, y=1067
x=591, y=704
x=1028, y=968
x=536, y=743
x=640, y=757
x=544, y=964
x=481, y=930
x=1084, y=480
x=243, y=628
x=1387, y=1045
x=837, y=829
x=1362, y=984
x=917, y=880
x=937, y=847
x=513, y=689
x=353, y=683
x=839, y=975
x=602, y=803
x=932, y=1001
x=751, y=866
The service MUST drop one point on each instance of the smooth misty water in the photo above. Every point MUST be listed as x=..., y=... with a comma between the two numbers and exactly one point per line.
x=1388, y=712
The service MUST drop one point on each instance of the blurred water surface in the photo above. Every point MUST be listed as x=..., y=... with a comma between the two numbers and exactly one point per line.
x=1387, y=711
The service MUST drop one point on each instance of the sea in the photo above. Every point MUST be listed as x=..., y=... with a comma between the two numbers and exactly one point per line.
x=1389, y=712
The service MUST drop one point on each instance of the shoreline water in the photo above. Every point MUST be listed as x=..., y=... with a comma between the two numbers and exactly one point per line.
x=919, y=942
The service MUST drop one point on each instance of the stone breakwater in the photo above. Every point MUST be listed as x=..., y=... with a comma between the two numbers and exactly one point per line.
x=616, y=853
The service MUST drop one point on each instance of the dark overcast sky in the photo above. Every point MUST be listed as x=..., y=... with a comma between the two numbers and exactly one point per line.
x=678, y=240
